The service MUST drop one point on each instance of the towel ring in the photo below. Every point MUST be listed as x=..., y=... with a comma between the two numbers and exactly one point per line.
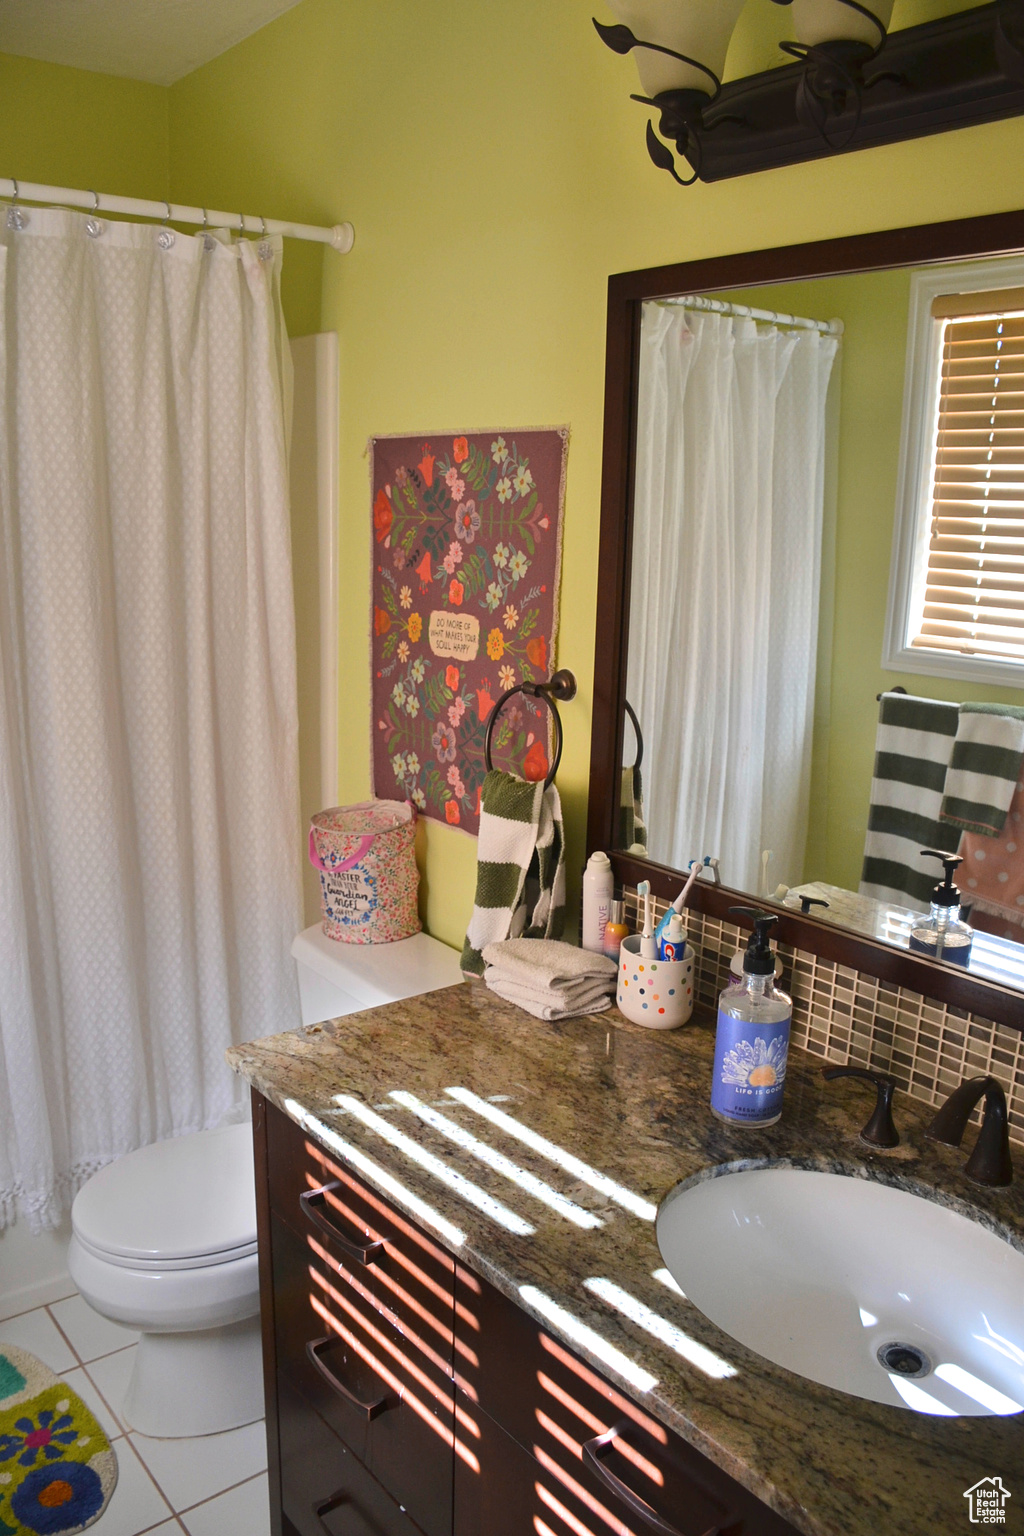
x=638, y=733
x=561, y=685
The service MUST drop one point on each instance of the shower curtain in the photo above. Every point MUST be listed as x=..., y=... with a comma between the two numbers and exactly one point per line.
x=725, y=576
x=149, y=840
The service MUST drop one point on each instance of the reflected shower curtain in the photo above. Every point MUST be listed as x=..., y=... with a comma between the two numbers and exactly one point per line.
x=725, y=577
x=149, y=881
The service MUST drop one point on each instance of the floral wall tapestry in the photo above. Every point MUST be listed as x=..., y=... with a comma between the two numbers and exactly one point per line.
x=466, y=552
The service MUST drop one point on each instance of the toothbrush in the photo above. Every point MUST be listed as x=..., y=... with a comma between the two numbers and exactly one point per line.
x=696, y=865
x=648, y=946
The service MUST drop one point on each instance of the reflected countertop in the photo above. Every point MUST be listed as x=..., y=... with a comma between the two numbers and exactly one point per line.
x=632, y=1105
x=992, y=957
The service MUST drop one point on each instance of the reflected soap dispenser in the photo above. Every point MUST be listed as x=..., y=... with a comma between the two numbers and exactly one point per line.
x=752, y=1041
x=943, y=933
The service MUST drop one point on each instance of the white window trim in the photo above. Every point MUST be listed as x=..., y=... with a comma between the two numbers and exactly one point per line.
x=917, y=473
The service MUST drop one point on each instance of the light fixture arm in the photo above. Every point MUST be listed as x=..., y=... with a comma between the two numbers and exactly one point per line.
x=662, y=155
x=620, y=39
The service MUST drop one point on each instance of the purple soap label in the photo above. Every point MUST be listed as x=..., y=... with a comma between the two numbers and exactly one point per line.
x=750, y=1069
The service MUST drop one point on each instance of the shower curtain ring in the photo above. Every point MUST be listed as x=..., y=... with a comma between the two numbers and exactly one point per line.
x=265, y=250
x=166, y=238
x=93, y=225
x=208, y=241
x=17, y=218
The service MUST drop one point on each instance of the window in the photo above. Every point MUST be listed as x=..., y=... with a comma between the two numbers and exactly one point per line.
x=956, y=601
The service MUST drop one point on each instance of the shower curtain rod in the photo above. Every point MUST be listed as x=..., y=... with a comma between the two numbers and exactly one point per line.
x=340, y=237
x=744, y=312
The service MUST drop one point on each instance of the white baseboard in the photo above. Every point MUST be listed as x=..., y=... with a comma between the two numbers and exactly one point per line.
x=33, y=1268
x=40, y=1294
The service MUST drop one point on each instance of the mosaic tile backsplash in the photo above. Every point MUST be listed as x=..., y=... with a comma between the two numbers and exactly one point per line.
x=846, y=1016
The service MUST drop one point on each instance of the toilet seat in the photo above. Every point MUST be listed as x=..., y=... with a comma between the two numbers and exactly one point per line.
x=184, y=1204
x=159, y=1265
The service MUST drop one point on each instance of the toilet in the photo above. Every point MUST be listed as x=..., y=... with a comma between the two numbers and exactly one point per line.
x=335, y=979
x=164, y=1239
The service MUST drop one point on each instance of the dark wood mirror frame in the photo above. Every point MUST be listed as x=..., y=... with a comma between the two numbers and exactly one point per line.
x=920, y=245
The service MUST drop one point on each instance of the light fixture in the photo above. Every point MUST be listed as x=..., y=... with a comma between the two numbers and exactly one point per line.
x=835, y=41
x=680, y=54
x=852, y=83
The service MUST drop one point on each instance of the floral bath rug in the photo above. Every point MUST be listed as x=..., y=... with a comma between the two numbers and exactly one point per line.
x=466, y=555
x=57, y=1467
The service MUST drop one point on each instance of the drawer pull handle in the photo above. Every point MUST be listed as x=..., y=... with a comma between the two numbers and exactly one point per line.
x=315, y=1349
x=328, y=1506
x=313, y=1203
x=594, y=1452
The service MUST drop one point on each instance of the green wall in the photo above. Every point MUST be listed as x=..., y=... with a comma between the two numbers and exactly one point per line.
x=75, y=128
x=494, y=169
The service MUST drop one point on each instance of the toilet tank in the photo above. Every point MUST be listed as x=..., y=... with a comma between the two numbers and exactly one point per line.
x=335, y=979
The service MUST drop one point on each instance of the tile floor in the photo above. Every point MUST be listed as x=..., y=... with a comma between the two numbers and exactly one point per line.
x=212, y=1486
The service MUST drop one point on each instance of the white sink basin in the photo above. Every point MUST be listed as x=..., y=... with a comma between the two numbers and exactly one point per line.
x=822, y=1274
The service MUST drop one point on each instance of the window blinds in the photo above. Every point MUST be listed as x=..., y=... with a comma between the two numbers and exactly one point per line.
x=974, y=593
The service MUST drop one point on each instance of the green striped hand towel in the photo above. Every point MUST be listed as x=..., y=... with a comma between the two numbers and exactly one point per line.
x=632, y=822
x=984, y=769
x=913, y=749
x=520, y=871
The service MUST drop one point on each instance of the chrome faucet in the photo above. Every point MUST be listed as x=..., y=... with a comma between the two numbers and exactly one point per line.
x=989, y=1163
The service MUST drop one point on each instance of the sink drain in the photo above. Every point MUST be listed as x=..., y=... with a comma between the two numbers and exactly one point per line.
x=904, y=1360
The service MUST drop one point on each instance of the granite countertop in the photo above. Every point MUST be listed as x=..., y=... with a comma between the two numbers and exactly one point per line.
x=633, y=1104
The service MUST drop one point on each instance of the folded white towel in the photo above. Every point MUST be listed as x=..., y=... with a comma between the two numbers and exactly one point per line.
x=550, y=1011
x=579, y=995
x=548, y=962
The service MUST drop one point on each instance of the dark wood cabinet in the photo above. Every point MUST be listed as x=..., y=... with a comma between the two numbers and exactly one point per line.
x=587, y=1454
x=325, y=1488
x=405, y=1393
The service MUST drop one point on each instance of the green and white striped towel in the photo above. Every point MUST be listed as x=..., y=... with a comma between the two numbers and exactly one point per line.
x=632, y=822
x=913, y=749
x=520, y=869
x=984, y=769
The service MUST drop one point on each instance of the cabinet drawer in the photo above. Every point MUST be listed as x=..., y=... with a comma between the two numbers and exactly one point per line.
x=325, y=1489
x=390, y=1404
x=586, y=1435
x=551, y=1491
x=362, y=1236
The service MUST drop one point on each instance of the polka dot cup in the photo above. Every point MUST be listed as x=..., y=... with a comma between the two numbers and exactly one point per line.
x=655, y=993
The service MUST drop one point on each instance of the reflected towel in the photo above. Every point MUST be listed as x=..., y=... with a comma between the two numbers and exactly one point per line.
x=913, y=749
x=632, y=821
x=984, y=769
x=991, y=878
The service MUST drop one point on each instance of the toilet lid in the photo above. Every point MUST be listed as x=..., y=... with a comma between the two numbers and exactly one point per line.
x=188, y=1198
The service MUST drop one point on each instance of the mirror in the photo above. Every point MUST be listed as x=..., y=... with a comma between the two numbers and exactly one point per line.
x=768, y=456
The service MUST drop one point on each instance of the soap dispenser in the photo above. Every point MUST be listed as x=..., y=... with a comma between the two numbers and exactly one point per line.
x=752, y=1041
x=943, y=933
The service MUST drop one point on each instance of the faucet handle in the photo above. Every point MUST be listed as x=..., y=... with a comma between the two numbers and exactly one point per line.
x=880, y=1130
x=989, y=1163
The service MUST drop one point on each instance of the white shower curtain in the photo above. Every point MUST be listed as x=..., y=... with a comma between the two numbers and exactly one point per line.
x=149, y=881
x=725, y=577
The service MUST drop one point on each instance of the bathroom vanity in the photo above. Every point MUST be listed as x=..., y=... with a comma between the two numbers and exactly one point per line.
x=467, y=1325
